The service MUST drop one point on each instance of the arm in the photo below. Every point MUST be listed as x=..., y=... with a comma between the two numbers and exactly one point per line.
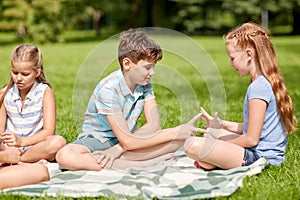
x=152, y=118
x=256, y=115
x=49, y=112
x=2, y=115
x=130, y=141
x=216, y=123
x=234, y=127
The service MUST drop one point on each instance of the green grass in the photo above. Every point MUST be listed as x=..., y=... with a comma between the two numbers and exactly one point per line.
x=63, y=61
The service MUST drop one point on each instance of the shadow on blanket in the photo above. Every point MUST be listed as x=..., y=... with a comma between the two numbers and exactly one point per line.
x=177, y=178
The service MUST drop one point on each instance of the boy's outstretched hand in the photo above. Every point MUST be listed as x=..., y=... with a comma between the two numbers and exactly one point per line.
x=188, y=129
x=212, y=122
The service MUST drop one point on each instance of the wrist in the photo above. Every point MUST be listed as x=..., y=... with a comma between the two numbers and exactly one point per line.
x=214, y=132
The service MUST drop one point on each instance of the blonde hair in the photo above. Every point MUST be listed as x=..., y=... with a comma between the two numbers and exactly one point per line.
x=30, y=54
x=251, y=35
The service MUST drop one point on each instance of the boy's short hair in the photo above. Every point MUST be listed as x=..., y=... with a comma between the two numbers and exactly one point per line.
x=136, y=45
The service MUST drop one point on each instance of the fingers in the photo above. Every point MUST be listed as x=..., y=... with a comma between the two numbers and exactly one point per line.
x=199, y=130
x=194, y=119
x=216, y=115
x=204, y=112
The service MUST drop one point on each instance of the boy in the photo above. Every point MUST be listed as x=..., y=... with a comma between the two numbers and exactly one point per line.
x=112, y=114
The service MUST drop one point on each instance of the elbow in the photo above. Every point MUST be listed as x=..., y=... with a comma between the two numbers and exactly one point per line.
x=252, y=142
x=127, y=145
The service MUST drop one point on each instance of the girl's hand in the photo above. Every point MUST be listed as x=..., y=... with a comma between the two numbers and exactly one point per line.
x=12, y=155
x=212, y=122
x=11, y=139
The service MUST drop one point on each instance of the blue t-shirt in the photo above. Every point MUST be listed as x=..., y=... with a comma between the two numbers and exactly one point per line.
x=112, y=96
x=273, y=140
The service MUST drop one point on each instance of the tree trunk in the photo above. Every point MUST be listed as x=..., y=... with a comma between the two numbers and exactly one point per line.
x=296, y=22
x=96, y=19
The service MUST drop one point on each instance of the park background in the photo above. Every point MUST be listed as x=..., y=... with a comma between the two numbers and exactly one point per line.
x=68, y=30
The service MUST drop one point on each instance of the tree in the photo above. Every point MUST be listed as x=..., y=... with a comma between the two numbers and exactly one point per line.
x=32, y=20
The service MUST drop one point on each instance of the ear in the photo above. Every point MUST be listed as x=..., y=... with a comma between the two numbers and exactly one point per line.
x=126, y=63
x=249, y=53
x=38, y=73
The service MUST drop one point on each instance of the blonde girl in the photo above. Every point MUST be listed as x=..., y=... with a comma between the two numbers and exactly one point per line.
x=28, y=112
x=268, y=109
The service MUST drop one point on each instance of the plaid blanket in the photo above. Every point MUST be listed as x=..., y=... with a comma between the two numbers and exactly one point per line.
x=173, y=179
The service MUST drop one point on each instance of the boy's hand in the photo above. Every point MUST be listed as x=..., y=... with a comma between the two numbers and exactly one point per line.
x=188, y=129
x=11, y=139
x=107, y=157
x=212, y=122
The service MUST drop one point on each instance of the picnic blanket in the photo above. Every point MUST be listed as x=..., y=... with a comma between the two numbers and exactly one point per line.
x=173, y=179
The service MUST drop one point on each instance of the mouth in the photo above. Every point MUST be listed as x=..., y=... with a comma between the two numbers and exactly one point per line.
x=20, y=84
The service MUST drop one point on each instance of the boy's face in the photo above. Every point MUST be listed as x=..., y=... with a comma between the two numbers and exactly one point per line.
x=139, y=73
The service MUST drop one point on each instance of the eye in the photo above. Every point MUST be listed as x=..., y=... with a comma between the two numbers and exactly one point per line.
x=25, y=74
x=15, y=73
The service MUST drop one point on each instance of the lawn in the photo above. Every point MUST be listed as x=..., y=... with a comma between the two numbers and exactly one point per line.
x=188, y=77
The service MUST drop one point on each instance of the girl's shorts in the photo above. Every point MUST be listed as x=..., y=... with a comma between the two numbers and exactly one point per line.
x=249, y=157
x=93, y=144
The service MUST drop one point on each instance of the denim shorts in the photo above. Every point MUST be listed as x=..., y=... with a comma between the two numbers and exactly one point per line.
x=249, y=157
x=93, y=144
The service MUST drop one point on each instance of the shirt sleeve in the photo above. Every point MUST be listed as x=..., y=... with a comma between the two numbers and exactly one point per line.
x=148, y=92
x=260, y=90
x=106, y=101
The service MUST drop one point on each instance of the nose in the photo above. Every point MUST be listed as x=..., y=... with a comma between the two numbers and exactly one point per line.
x=151, y=72
x=19, y=77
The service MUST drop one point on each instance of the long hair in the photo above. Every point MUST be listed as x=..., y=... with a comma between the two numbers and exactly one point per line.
x=30, y=54
x=253, y=36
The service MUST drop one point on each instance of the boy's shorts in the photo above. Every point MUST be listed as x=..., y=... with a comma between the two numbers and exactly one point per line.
x=93, y=144
x=249, y=157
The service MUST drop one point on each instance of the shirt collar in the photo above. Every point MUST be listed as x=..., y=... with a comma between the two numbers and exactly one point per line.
x=124, y=87
x=16, y=92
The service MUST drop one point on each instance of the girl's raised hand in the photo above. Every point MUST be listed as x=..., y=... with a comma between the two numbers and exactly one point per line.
x=212, y=121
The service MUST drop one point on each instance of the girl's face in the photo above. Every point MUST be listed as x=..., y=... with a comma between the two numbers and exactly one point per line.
x=23, y=75
x=238, y=59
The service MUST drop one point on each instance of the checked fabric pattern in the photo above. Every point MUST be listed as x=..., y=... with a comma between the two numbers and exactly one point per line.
x=173, y=179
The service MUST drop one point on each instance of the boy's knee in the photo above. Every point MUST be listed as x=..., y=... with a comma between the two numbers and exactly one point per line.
x=56, y=143
x=61, y=154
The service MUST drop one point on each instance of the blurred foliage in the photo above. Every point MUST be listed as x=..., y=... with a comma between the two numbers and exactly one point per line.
x=47, y=20
x=32, y=20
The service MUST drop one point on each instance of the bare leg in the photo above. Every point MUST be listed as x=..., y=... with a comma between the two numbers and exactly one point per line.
x=77, y=157
x=152, y=152
x=22, y=174
x=211, y=153
x=44, y=150
x=122, y=164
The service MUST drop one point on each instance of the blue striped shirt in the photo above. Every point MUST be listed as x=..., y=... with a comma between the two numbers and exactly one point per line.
x=29, y=120
x=112, y=96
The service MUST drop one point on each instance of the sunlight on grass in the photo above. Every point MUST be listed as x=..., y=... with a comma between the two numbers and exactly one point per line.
x=63, y=61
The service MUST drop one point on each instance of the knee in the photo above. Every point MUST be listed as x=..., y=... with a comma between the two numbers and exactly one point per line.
x=191, y=144
x=62, y=154
x=56, y=142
